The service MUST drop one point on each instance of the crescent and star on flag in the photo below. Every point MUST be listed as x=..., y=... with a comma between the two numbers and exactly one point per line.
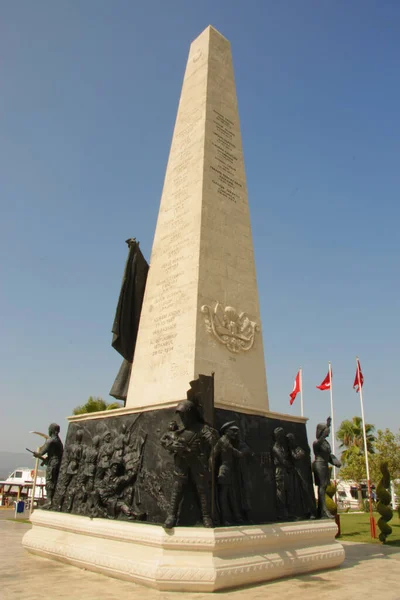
x=326, y=384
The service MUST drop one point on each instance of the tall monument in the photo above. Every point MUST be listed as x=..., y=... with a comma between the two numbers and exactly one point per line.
x=225, y=490
x=201, y=312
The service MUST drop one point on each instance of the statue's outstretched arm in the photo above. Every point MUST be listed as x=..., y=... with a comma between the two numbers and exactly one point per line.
x=335, y=461
x=43, y=449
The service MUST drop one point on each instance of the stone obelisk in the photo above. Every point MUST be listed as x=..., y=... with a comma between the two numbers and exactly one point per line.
x=201, y=312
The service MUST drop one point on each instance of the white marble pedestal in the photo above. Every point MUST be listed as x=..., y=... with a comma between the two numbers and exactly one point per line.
x=185, y=558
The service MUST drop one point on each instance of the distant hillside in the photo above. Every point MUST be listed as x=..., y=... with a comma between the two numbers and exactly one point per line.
x=9, y=461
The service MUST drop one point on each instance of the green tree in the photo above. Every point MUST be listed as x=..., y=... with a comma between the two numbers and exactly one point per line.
x=397, y=492
x=95, y=404
x=387, y=449
x=351, y=438
x=354, y=467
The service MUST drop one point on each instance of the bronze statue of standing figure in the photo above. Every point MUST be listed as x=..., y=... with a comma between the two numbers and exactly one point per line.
x=106, y=452
x=284, y=476
x=305, y=501
x=121, y=441
x=87, y=479
x=225, y=463
x=320, y=467
x=51, y=454
x=191, y=446
x=74, y=458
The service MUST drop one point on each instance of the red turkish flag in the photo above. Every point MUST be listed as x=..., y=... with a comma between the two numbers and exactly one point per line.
x=326, y=384
x=296, y=388
x=358, y=382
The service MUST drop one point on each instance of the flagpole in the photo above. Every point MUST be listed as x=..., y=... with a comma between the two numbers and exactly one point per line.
x=301, y=392
x=332, y=417
x=371, y=516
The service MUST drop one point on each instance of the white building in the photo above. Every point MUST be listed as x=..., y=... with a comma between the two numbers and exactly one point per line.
x=19, y=485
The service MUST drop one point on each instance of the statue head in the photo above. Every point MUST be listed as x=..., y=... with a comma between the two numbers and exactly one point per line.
x=79, y=435
x=115, y=465
x=279, y=434
x=291, y=440
x=231, y=430
x=96, y=441
x=106, y=436
x=54, y=429
x=173, y=426
x=323, y=430
x=188, y=412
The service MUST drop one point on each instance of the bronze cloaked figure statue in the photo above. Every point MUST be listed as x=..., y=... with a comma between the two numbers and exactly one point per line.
x=305, y=503
x=51, y=454
x=225, y=463
x=191, y=446
x=284, y=476
x=323, y=457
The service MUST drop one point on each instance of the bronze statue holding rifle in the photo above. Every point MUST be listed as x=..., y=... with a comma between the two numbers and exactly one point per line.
x=191, y=446
x=51, y=454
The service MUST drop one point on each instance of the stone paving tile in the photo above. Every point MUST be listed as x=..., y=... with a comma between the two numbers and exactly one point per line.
x=369, y=571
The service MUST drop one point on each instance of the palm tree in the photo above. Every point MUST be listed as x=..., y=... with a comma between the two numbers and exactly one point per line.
x=95, y=404
x=351, y=437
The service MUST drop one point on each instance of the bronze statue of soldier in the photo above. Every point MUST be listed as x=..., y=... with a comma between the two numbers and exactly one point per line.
x=284, y=476
x=51, y=454
x=74, y=458
x=111, y=491
x=106, y=452
x=121, y=441
x=89, y=456
x=320, y=467
x=226, y=457
x=169, y=437
x=191, y=446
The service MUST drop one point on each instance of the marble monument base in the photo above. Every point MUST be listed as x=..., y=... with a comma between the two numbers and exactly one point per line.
x=185, y=559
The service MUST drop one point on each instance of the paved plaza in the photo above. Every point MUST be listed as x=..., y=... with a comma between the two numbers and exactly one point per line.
x=369, y=571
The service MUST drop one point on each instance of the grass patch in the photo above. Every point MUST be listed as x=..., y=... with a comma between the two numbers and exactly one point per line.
x=355, y=528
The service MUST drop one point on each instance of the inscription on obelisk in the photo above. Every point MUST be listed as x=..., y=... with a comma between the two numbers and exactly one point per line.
x=200, y=312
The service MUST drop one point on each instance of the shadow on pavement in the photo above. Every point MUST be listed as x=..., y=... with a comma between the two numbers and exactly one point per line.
x=356, y=553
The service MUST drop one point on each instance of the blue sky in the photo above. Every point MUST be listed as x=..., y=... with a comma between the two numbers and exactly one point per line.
x=89, y=93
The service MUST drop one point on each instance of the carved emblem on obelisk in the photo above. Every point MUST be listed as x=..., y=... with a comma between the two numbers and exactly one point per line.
x=232, y=329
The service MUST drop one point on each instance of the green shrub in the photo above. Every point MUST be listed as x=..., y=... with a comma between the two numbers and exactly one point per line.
x=330, y=493
x=383, y=506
